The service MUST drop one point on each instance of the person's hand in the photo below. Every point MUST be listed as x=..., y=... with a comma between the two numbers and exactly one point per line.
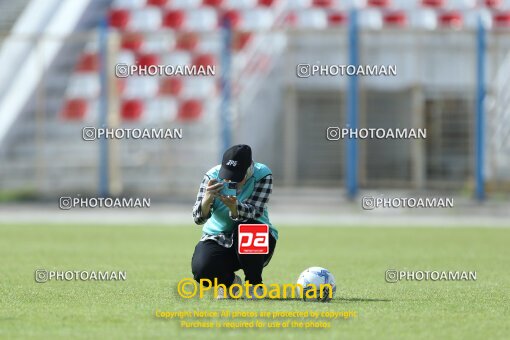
x=213, y=190
x=231, y=203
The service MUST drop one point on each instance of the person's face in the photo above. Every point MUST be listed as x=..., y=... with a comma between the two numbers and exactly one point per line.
x=240, y=184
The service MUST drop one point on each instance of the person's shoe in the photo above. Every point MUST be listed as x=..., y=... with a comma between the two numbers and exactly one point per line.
x=251, y=291
x=222, y=294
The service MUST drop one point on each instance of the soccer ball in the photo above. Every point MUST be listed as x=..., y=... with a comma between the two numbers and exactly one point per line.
x=317, y=283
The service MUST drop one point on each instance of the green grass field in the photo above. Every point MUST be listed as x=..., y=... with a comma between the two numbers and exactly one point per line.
x=157, y=257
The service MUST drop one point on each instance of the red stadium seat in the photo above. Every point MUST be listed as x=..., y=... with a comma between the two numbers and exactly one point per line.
x=74, y=109
x=119, y=18
x=147, y=59
x=88, y=62
x=205, y=60
x=337, y=19
x=433, y=3
x=233, y=16
x=451, y=19
x=213, y=3
x=493, y=3
x=379, y=3
x=502, y=19
x=131, y=110
x=159, y=3
x=395, y=19
x=266, y=3
x=190, y=110
x=241, y=39
x=187, y=41
x=174, y=19
x=322, y=3
x=132, y=41
x=171, y=86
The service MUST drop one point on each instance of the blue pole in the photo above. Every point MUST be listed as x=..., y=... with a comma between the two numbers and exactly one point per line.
x=226, y=55
x=104, y=180
x=480, y=111
x=351, y=159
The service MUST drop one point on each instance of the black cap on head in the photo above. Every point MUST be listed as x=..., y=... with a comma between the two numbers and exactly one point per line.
x=236, y=160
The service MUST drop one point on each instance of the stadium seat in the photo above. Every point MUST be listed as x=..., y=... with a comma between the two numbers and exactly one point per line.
x=461, y=4
x=84, y=85
x=185, y=4
x=240, y=4
x=233, y=17
x=190, y=110
x=119, y=18
x=493, y=3
x=187, y=41
x=199, y=87
x=160, y=110
x=174, y=19
x=395, y=19
x=300, y=4
x=141, y=87
x=126, y=57
x=213, y=3
x=159, y=42
x=204, y=60
x=379, y=3
x=131, y=109
x=176, y=58
x=433, y=3
x=336, y=18
x=451, y=19
x=371, y=19
x=241, y=39
x=131, y=41
x=256, y=19
x=158, y=3
x=267, y=3
x=201, y=20
x=88, y=62
x=311, y=19
x=128, y=4
x=502, y=19
x=423, y=19
x=171, y=86
x=323, y=3
x=147, y=59
x=148, y=19
x=74, y=109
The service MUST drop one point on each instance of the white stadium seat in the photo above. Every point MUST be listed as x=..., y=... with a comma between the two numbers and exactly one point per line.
x=199, y=87
x=256, y=19
x=148, y=19
x=241, y=4
x=126, y=57
x=176, y=58
x=201, y=20
x=141, y=87
x=423, y=19
x=160, y=110
x=370, y=19
x=161, y=41
x=184, y=4
x=84, y=85
x=311, y=19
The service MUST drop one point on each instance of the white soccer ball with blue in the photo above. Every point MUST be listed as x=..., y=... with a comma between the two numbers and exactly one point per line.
x=317, y=279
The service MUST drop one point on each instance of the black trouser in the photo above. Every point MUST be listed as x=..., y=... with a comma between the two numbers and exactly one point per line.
x=210, y=260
